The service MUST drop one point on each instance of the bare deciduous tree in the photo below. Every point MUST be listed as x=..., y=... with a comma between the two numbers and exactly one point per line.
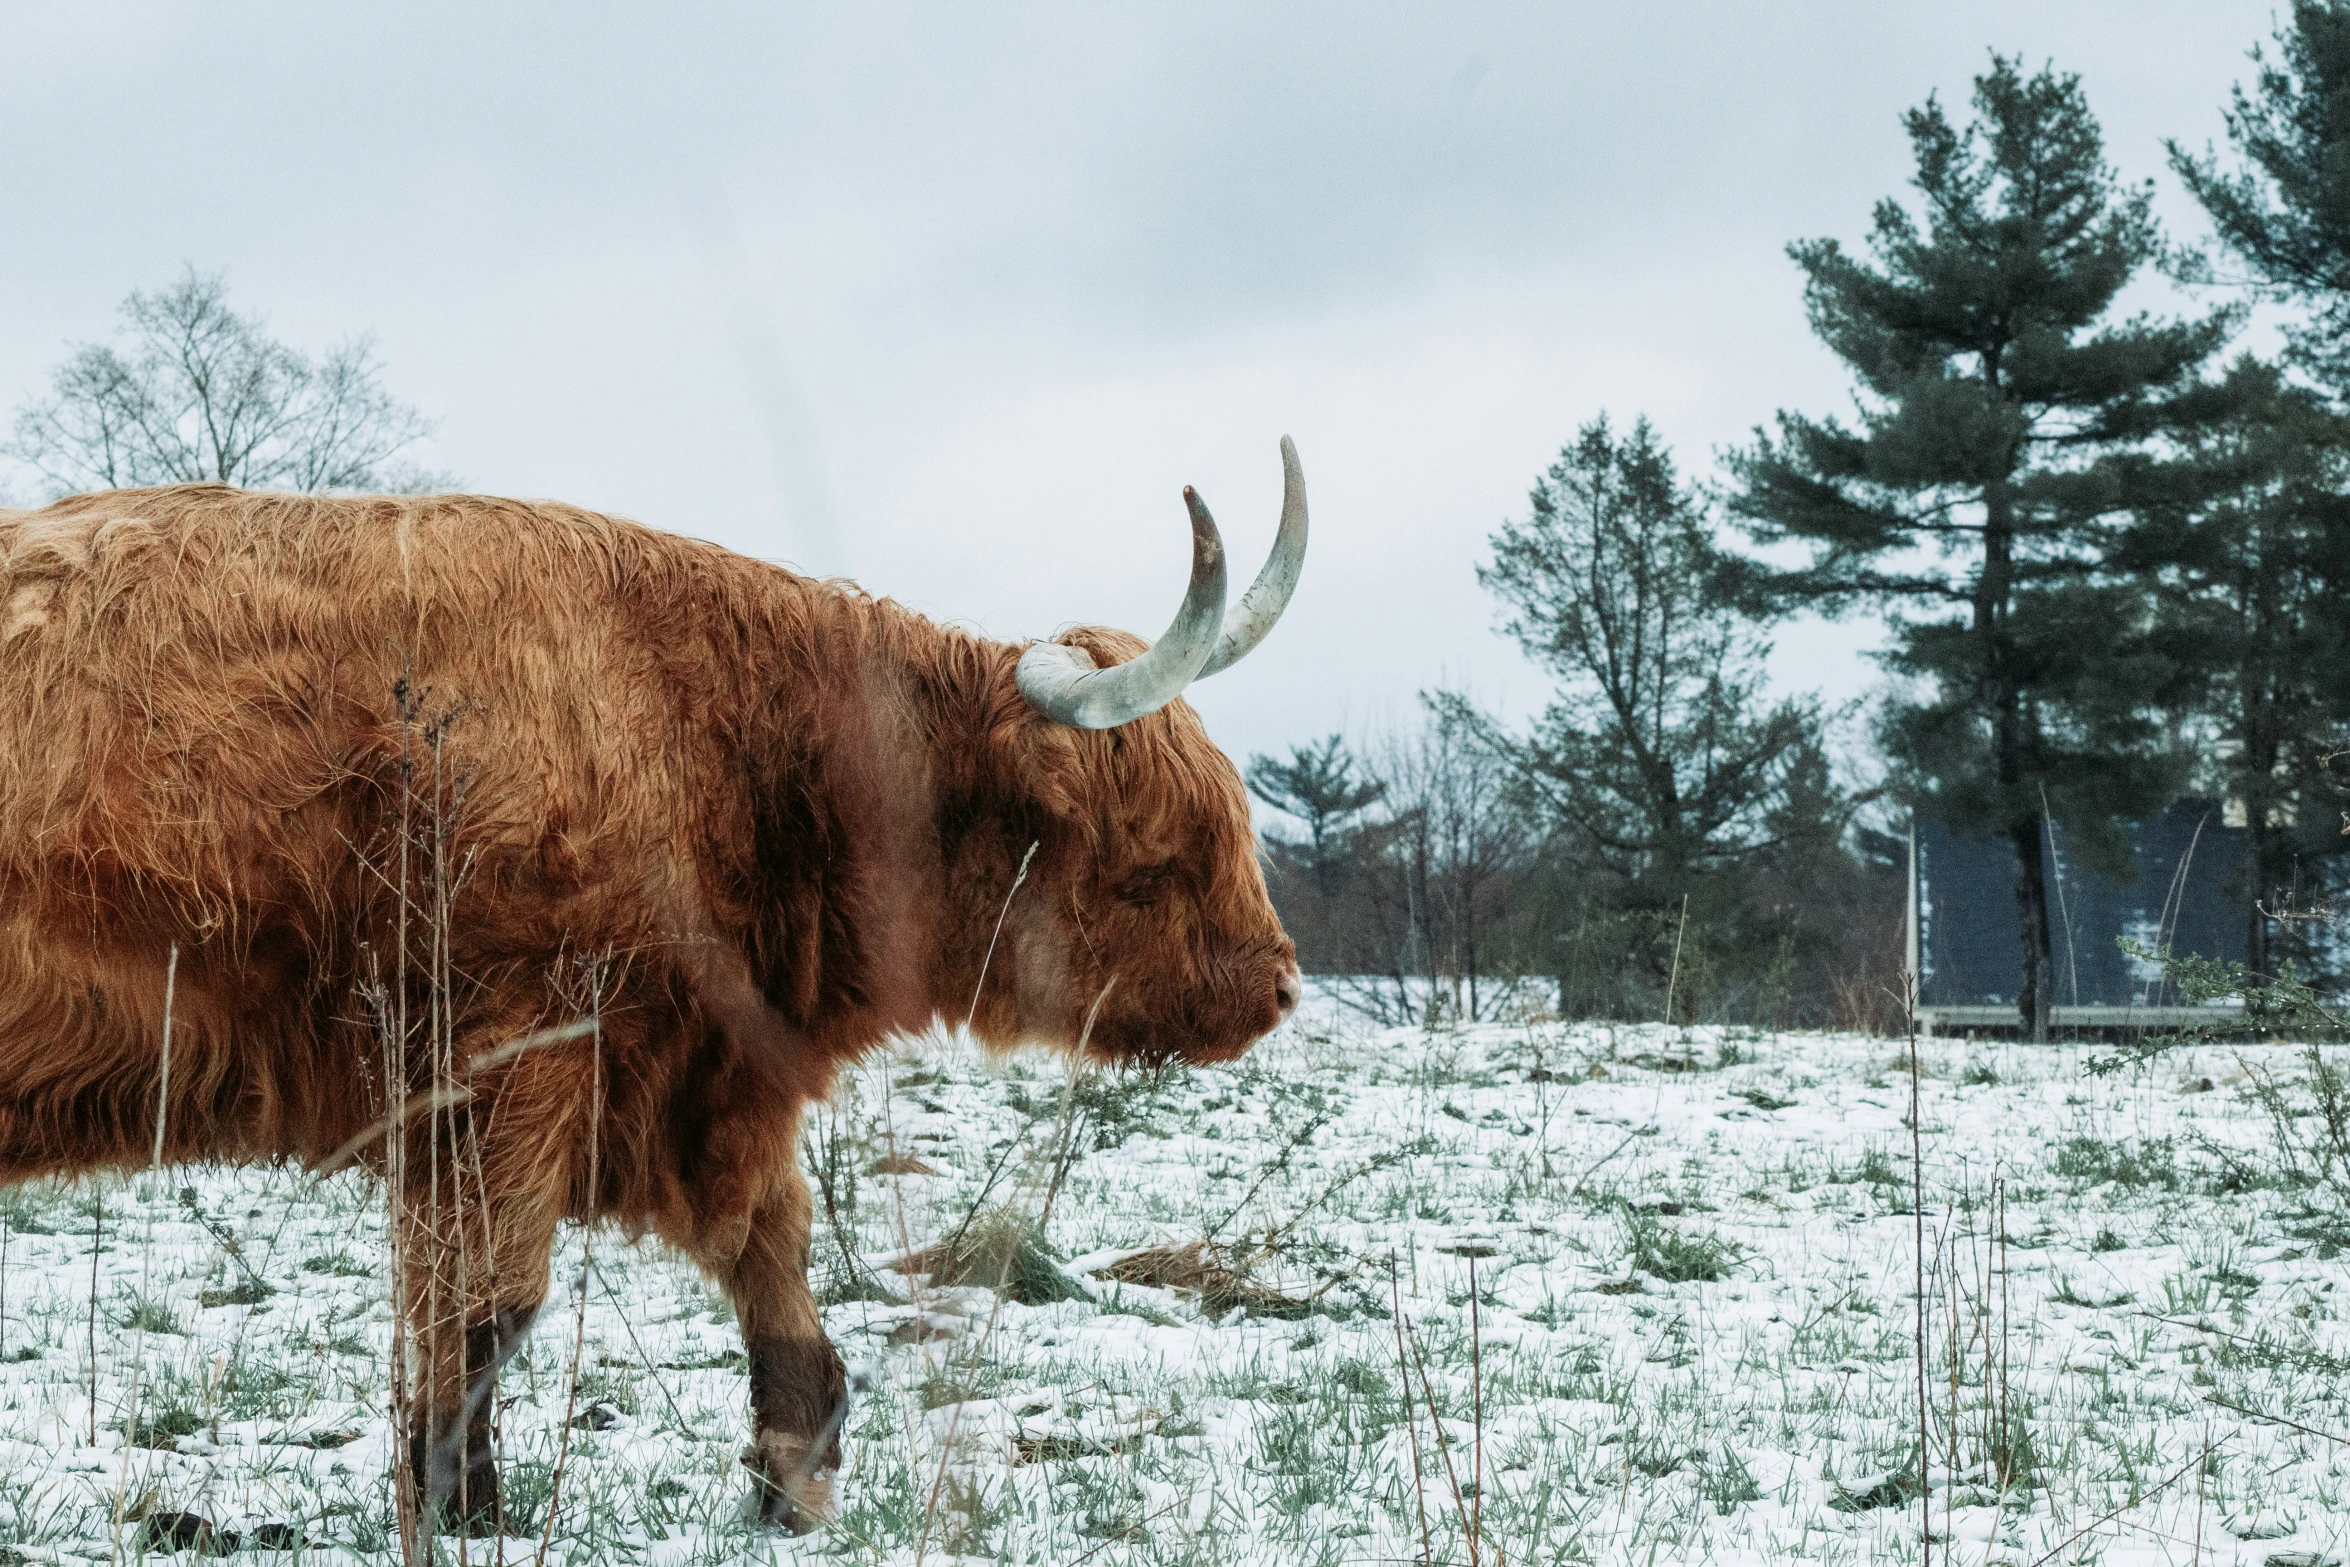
x=196, y=392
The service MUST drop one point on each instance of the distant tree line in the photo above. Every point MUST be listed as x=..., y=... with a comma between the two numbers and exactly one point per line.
x=2110, y=546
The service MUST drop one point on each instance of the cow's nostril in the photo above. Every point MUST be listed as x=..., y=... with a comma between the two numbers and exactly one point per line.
x=1287, y=990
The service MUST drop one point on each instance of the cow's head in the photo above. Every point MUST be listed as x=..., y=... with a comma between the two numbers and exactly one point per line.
x=1145, y=932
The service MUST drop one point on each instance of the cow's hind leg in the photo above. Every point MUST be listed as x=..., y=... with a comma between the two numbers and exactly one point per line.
x=475, y=1274
x=799, y=1393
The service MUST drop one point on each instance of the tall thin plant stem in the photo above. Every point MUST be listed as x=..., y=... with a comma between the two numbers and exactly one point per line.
x=586, y=1261
x=171, y=975
x=1477, y=1416
x=97, y=1239
x=1411, y=1417
x=1673, y=978
x=1001, y=915
x=1917, y=1208
x=130, y=1418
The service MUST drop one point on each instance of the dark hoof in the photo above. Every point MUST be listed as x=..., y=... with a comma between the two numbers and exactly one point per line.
x=472, y=1511
x=789, y=1491
x=180, y=1532
x=459, y=1501
x=276, y=1537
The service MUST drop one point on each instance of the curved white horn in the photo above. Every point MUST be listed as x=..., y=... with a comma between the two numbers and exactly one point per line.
x=1061, y=682
x=1266, y=597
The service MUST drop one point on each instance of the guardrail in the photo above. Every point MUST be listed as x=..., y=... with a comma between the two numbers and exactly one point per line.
x=1960, y=1021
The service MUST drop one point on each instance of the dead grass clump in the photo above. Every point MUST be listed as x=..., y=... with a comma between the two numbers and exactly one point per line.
x=1216, y=1274
x=1002, y=1251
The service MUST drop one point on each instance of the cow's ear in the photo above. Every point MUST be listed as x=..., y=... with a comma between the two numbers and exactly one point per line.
x=1048, y=762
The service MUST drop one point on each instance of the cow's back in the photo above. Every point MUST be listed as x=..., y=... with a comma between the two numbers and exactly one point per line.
x=218, y=709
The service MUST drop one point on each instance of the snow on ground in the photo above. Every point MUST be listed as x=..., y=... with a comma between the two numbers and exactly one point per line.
x=1691, y=1339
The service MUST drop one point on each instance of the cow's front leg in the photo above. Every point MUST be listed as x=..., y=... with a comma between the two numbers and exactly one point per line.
x=799, y=1394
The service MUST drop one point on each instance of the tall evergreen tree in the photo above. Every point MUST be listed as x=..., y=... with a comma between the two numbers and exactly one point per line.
x=2252, y=561
x=2005, y=417
x=2284, y=211
x=1660, y=760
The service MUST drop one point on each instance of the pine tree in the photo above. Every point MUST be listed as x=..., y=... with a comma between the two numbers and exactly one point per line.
x=2284, y=212
x=1660, y=761
x=1319, y=786
x=2252, y=559
x=1320, y=881
x=2005, y=428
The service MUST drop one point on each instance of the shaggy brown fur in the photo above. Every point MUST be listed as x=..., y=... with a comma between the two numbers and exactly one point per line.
x=770, y=821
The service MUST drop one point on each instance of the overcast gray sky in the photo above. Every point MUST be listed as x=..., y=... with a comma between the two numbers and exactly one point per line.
x=955, y=299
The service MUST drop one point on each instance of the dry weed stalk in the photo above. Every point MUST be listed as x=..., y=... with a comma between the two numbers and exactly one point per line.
x=1477, y=1417
x=141, y=1319
x=414, y=1011
x=1917, y=1207
x=1411, y=1418
x=954, y=1422
x=593, y=972
x=1452, y=1478
x=97, y=1240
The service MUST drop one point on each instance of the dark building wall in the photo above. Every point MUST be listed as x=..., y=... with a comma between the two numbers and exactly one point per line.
x=2187, y=893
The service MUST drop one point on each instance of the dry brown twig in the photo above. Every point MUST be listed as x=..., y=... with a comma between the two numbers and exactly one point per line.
x=1411, y=1420
x=2082, y=1532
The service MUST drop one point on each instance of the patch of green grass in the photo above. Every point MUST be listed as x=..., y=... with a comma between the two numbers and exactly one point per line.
x=2130, y=1163
x=1675, y=1256
x=140, y=1314
x=1877, y=1167
x=169, y=1408
x=246, y=1291
x=26, y=1209
x=1868, y=1493
x=2065, y=1295
x=255, y=1385
x=1725, y=1481
x=524, y=1484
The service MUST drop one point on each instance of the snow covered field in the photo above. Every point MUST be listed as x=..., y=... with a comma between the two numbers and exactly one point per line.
x=1690, y=1336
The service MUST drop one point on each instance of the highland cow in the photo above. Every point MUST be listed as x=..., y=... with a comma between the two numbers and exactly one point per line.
x=551, y=866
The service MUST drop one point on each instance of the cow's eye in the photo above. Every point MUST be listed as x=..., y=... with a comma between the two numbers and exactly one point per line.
x=1145, y=885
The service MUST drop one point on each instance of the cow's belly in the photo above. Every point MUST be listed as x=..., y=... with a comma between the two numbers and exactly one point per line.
x=254, y=1073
